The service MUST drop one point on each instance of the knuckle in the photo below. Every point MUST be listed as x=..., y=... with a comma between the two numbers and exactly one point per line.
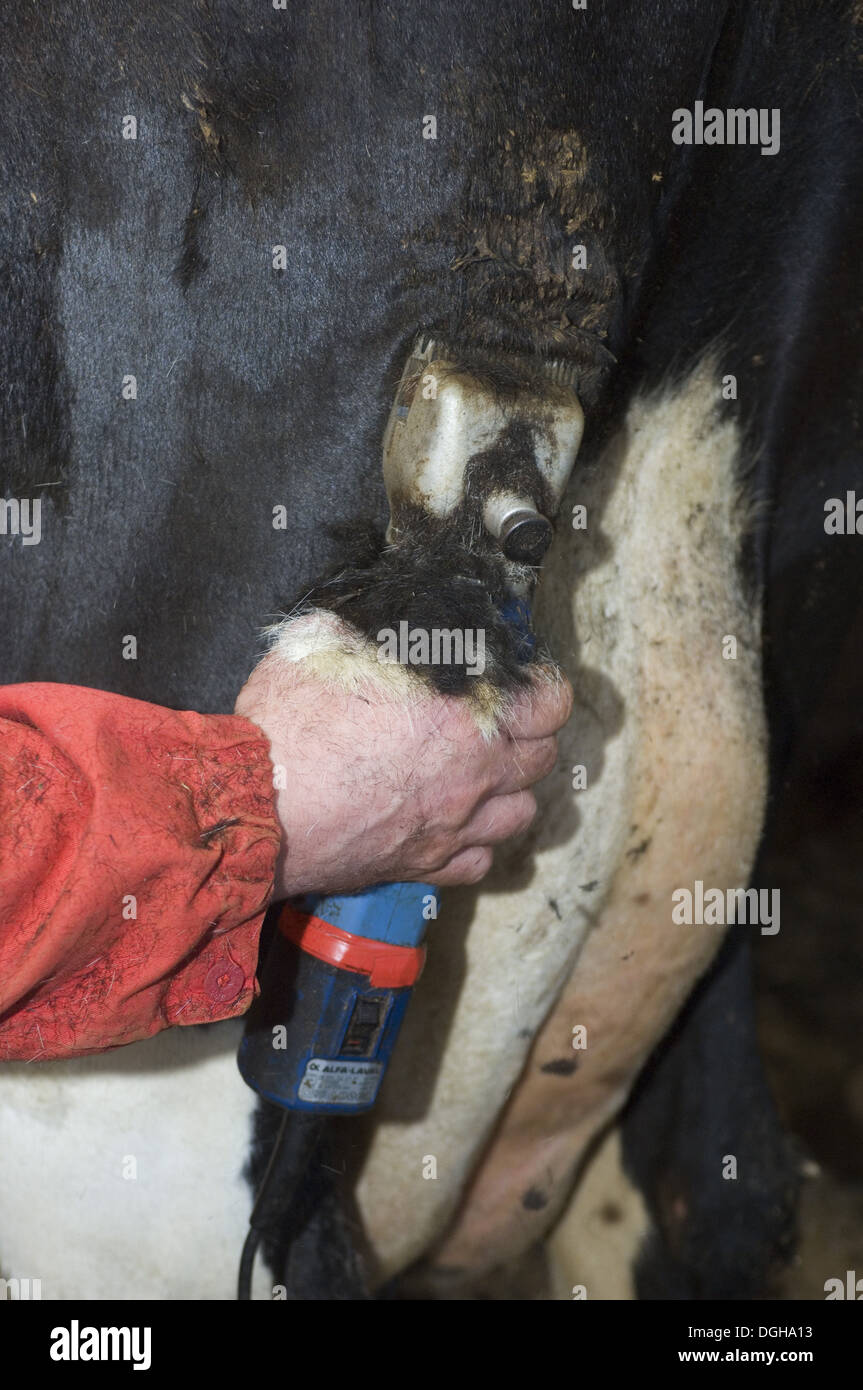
x=456, y=809
x=566, y=699
x=526, y=810
x=553, y=699
x=548, y=756
x=478, y=865
x=449, y=806
x=434, y=855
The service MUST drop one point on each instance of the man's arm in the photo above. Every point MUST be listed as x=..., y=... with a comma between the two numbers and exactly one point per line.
x=139, y=845
x=137, y=848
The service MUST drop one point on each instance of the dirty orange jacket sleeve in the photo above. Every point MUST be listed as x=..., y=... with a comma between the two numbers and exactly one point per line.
x=137, y=852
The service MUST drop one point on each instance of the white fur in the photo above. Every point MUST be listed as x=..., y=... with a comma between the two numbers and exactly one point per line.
x=178, y=1107
x=338, y=654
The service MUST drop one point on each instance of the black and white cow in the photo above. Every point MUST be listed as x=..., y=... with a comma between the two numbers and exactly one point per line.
x=252, y=209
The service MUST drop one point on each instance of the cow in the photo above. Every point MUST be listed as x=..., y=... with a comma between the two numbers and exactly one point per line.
x=226, y=225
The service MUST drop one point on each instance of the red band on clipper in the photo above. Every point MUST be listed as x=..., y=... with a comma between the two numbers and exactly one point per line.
x=387, y=966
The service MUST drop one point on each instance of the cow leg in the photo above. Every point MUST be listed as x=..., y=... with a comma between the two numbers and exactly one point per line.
x=594, y=1249
x=702, y=1140
x=672, y=735
x=661, y=1212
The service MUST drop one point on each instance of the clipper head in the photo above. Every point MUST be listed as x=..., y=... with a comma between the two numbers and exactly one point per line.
x=487, y=443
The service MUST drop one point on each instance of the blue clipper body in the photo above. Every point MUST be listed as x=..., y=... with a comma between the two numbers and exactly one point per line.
x=334, y=990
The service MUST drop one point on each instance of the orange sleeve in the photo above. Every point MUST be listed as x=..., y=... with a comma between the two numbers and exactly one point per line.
x=137, y=852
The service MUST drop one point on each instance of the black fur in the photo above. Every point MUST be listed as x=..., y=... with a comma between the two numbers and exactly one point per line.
x=702, y=1099
x=436, y=582
x=315, y=1252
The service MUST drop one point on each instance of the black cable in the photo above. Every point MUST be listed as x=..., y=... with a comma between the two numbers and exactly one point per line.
x=293, y=1149
x=247, y=1264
